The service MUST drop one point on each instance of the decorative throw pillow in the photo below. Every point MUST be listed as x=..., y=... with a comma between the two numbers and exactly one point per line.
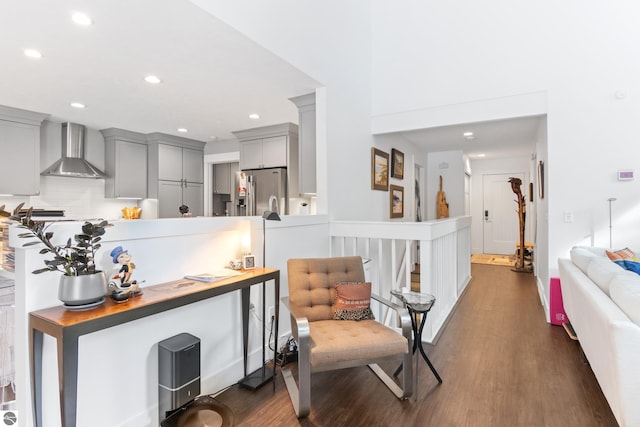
x=631, y=266
x=353, y=301
x=625, y=254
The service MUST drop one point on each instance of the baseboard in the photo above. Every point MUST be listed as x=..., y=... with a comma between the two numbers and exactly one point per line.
x=543, y=300
x=436, y=337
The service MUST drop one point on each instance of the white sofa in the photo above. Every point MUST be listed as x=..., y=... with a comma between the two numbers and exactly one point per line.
x=602, y=302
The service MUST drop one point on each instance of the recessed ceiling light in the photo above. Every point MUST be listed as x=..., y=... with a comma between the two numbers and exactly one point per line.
x=468, y=135
x=152, y=79
x=482, y=155
x=183, y=130
x=32, y=53
x=81, y=19
x=213, y=137
x=77, y=105
x=254, y=116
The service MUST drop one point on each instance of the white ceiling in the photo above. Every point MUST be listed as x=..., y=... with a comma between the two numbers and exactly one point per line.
x=513, y=137
x=213, y=77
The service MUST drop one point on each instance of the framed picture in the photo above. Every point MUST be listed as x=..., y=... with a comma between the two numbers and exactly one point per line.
x=541, y=179
x=249, y=262
x=379, y=170
x=396, y=201
x=397, y=164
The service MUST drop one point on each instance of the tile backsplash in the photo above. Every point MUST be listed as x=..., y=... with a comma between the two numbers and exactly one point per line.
x=80, y=198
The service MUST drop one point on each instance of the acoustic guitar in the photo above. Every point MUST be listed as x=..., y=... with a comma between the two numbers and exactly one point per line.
x=442, y=207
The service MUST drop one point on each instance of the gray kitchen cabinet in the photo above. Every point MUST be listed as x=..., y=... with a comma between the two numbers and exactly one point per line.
x=306, y=142
x=269, y=147
x=176, y=174
x=169, y=199
x=20, y=148
x=193, y=196
x=169, y=162
x=251, y=154
x=224, y=177
x=125, y=164
x=192, y=165
x=264, y=153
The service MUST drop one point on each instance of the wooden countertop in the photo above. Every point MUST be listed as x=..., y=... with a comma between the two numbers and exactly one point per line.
x=154, y=299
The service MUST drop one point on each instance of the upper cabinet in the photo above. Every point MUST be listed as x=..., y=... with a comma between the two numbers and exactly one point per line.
x=306, y=142
x=20, y=148
x=264, y=153
x=224, y=177
x=176, y=174
x=271, y=147
x=125, y=164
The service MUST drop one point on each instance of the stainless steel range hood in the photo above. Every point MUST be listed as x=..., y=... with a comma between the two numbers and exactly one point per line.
x=72, y=163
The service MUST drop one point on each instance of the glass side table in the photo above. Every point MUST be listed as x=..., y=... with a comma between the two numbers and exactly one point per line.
x=417, y=304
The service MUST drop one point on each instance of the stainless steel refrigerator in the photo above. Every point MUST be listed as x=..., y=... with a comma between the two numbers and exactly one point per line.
x=259, y=190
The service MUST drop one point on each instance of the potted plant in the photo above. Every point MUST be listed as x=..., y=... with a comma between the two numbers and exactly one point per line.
x=81, y=283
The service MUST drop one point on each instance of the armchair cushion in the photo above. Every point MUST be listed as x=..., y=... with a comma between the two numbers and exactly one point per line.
x=312, y=283
x=353, y=301
x=353, y=340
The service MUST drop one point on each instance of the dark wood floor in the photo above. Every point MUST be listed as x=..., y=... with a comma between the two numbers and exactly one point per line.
x=501, y=362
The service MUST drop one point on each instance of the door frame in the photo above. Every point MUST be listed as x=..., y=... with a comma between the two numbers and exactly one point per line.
x=209, y=161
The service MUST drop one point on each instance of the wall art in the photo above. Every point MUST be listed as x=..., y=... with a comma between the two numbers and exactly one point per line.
x=379, y=170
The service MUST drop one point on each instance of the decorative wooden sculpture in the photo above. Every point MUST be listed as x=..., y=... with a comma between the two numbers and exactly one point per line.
x=442, y=207
x=516, y=183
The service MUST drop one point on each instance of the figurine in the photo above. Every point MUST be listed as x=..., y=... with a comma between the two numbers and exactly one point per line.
x=121, y=287
x=184, y=211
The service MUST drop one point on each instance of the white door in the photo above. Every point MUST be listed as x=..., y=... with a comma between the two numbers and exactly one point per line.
x=500, y=214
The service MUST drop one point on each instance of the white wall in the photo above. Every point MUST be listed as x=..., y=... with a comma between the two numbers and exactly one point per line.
x=541, y=252
x=443, y=57
x=451, y=166
x=331, y=42
x=412, y=157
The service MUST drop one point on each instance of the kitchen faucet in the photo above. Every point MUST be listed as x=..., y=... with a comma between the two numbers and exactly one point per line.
x=273, y=198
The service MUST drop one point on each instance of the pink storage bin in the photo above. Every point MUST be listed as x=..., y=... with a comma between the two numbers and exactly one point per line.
x=556, y=308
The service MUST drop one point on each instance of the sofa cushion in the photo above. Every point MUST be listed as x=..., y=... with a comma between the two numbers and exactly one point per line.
x=625, y=292
x=622, y=254
x=581, y=256
x=602, y=270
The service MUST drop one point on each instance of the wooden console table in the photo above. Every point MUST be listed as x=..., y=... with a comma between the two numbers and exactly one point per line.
x=67, y=326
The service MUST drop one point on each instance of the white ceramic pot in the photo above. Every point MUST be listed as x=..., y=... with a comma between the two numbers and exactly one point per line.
x=82, y=290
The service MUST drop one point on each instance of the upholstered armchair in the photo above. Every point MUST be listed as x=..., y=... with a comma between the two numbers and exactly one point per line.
x=325, y=343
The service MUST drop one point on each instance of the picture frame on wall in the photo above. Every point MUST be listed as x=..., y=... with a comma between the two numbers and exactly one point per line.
x=379, y=170
x=396, y=201
x=541, y=179
x=397, y=164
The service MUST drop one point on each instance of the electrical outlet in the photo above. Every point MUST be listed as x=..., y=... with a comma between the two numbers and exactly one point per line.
x=272, y=312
